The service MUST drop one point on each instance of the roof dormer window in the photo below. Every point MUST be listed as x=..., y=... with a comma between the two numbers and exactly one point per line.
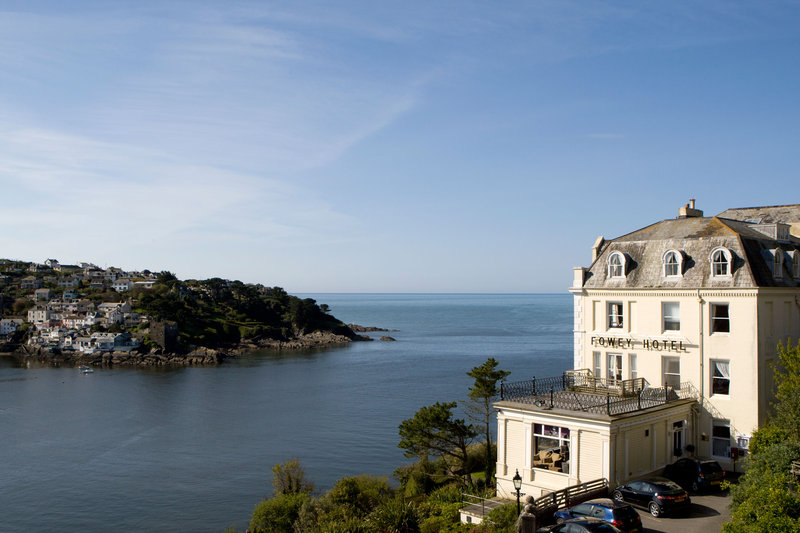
x=616, y=265
x=673, y=264
x=777, y=263
x=720, y=262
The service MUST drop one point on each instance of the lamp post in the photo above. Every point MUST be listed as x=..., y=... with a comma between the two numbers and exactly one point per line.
x=517, y=479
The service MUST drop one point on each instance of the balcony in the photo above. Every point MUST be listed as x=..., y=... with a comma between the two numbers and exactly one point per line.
x=579, y=390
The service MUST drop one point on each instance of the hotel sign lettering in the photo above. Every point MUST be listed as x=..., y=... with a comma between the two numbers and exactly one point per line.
x=660, y=345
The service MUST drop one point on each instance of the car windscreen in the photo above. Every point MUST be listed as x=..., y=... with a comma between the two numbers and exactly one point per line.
x=710, y=468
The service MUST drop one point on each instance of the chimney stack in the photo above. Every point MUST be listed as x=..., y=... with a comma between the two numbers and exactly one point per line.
x=688, y=211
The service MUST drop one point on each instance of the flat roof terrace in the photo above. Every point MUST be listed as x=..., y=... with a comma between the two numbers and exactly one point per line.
x=579, y=390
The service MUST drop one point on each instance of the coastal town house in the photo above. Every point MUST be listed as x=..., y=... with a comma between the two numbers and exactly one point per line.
x=675, y=327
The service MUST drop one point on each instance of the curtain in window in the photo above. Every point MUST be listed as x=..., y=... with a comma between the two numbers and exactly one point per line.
x=722, y=369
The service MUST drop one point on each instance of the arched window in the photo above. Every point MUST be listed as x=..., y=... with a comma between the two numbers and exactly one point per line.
x=796, y=264
x=720, y=262
x=777, y=263
x=616, y=265
x=673, y=263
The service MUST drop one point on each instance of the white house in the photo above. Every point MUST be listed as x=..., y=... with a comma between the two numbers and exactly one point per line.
x=675, y=327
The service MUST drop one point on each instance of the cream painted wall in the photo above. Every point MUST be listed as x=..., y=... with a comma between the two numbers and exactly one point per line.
x=758, y=319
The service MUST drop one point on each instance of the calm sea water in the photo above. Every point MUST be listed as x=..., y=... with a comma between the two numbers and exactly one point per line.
x=191, y=449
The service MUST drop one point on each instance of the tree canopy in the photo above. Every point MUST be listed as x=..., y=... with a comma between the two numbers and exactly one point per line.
x=481, y=394
x=767, y=497
x=435, y=431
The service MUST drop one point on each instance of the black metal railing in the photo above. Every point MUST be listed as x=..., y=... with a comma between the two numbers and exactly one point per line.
x=580, y=391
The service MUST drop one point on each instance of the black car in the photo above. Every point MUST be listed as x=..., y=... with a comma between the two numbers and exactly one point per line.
x=658, y=495
x=618, y=514
x=696, y=474
x=580, y=525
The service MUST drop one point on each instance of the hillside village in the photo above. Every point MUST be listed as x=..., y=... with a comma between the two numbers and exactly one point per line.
x=82, y=310
x=70, y=307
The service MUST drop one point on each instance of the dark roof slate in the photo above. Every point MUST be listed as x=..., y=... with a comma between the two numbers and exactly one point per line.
x=695, y=238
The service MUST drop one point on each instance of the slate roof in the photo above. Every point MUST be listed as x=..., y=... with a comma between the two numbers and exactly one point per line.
x=787, y=214
x=696, y=238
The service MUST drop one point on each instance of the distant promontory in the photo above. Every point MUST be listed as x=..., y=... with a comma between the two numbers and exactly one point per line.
x=83, y=314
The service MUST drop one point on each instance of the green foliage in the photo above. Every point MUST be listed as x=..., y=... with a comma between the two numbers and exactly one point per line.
x=481, y=394
x=290, y=478
x=763, y=501
x=439, y=511
x=434, y=431
x=217, y=312
x=394, y=516
x=787, y=397
x=277, y=514
x=21, y=306
x=359, y=495
x=766, y=437
x=501, y=519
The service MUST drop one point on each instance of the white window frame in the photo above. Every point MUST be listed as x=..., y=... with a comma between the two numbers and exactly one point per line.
x=665, y=360
x=614, y=367
x=720, y=259
x=615, y=313
x=720, y=370
x=670, y=317
x=676, y=265
x=545, y=431
x=597, y=364
x=720, y=440
x=715, y=318
x=616, y=265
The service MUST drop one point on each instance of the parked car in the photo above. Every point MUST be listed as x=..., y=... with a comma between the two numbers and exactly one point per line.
x=580, y=525
x=660, y=496
x=696, y=474
x=619, y=514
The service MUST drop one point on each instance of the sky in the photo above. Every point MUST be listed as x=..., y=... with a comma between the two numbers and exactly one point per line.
x=384, y=146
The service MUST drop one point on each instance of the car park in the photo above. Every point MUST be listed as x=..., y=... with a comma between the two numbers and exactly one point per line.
x=580, y=525
x=619, y=514
x=696, y=474
x=659, y=496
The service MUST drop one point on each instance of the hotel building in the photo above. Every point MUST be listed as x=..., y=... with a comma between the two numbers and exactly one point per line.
x=675, y=327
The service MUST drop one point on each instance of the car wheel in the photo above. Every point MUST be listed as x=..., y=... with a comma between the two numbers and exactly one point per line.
x=617, y=496
x=559, y=521
x=655, y=510
x=695, y=488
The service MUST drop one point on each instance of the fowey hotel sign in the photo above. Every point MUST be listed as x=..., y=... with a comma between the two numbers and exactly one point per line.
x=629, y=343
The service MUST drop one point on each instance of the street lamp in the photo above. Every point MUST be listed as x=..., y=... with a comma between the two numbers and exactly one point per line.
x=517, y=479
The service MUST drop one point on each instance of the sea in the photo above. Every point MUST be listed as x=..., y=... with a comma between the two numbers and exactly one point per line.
x=191, y=449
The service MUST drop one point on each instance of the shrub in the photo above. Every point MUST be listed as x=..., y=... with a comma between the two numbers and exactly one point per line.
x=277, y=515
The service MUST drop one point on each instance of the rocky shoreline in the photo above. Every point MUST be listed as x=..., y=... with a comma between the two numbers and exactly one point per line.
x=195, y=356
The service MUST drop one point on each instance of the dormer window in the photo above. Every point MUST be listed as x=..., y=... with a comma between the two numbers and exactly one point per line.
x=673, y=263
x=777, y=263
x=720, y=262
x=616, y=265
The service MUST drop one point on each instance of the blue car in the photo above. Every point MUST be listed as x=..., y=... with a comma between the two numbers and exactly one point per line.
x=620, y=515
x=580, y=525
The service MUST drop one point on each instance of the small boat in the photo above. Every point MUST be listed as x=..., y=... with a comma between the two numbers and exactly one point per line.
x=85, y=369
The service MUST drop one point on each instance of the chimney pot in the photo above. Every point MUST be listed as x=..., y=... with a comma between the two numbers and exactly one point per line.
x=691, y=201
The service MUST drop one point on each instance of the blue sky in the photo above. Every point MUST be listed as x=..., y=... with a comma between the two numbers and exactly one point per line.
x=384, y=146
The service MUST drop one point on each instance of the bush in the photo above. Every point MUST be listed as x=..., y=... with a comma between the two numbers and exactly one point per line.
x=360, y=494
x=394, y=516
x=502, y=519
x=278, y=514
